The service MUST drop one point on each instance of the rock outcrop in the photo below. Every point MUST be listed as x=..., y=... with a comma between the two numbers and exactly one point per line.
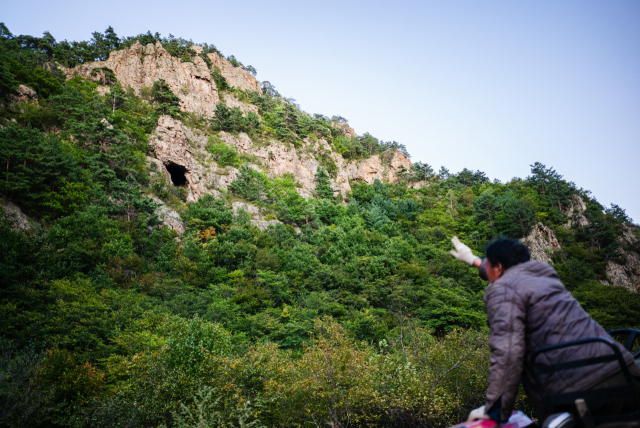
x=24, y=94
x=627, y=275
x=177, y=146
x=575, y=213
x=257, y=219
x=172, y=148
x=236, y=76
x=542, y=242
x=182, y=150
x=231, y=102
x=168, y=216
x=140, y=66
x=373, y=168
x=14, y=216
x=346, y=129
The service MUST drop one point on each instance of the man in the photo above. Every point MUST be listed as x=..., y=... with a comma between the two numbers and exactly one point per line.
x=527, y=308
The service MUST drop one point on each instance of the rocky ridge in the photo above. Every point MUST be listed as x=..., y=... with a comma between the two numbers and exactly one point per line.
x=181, y=148
x=140, y=66
x=176, y=145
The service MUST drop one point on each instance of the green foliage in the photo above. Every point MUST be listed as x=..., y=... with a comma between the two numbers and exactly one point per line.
x=517, y=217
x=323, y=186
x=219, y=79
x=107, y=76
x=194, y=340
x=223, y=154
x=22, y=58
x=335, y=314
x=209, y=212
x=232, y=120
x=166, y=101
x=250, y=185
x=232, y=59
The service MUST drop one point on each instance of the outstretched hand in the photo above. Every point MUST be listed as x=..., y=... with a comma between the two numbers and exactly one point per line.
x=462, y=252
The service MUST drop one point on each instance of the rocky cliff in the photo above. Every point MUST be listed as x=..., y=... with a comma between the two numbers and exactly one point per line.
x=542, y=243
x=140, y=66
x=626, y=274
x=175, y=145
x=181, y=149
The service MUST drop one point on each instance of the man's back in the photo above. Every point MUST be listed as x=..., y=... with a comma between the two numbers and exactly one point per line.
x=527, y=308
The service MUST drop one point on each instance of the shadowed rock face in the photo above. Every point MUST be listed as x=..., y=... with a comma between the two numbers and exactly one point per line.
x=626, y=275
x=12, y=213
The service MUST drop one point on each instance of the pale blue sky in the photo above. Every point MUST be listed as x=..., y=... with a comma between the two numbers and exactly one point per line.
x=489, y=85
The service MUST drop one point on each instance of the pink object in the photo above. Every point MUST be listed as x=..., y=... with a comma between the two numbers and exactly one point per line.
x=516, y=420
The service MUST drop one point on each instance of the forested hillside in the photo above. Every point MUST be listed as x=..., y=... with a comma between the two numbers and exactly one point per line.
x=202, y=252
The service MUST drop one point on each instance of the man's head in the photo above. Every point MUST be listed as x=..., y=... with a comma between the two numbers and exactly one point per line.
x=502, y=254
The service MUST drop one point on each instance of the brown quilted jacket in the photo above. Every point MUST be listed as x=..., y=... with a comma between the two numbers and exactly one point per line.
x=527, y=308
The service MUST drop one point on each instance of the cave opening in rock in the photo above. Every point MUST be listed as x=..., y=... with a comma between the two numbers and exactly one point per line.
x=177, y=174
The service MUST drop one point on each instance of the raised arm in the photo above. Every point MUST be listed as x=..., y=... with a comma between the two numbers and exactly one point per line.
x=464, y=254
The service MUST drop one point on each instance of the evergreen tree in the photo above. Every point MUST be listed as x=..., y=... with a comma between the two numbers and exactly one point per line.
x=422, y=171
x=377, y=217
x=323, y=186
x=470, y=178
x=229, y=119
x=444, y=173
x=250, y=184
x=219, y=79
x=485, y=208
x=116, y=97
x=102, y=44
x=549, y=184
x=166, y=101
x=517, y=217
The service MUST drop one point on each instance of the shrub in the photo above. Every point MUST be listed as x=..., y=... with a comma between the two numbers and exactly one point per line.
x=223, y=154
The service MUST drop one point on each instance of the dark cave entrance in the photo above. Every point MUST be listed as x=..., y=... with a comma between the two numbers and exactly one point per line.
x=177, y=174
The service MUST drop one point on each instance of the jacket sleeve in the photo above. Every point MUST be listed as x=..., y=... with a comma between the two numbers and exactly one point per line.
x=506, y=314
x=482, y=270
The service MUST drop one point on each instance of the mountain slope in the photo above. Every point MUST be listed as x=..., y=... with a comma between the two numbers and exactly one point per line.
x=176, y=233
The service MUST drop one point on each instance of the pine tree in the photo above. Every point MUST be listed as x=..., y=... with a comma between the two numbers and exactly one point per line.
x=116, y=97
x=423, y=171
x=250, y=184
x=323, y=188
x=167, y=102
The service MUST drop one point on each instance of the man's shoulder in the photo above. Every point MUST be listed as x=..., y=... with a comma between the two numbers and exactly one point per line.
x=527, y=278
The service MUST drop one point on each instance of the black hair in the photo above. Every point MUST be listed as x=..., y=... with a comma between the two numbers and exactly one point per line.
x=507, y=252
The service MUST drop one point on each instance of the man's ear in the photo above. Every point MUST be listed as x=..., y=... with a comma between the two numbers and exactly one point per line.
x=500, y=269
